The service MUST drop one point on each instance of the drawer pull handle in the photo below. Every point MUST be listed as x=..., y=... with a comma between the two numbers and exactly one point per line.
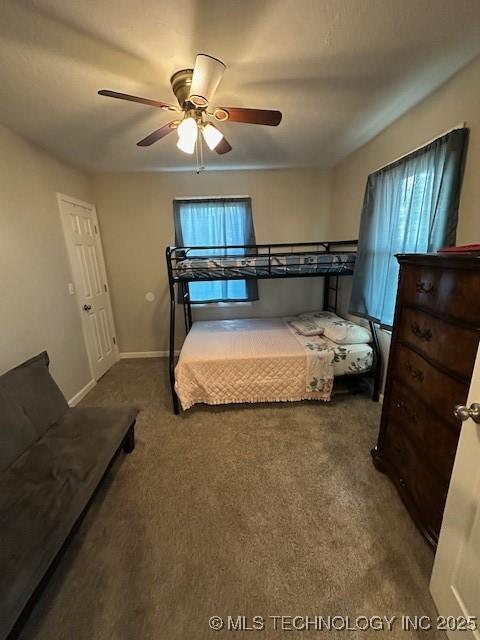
x=424, y=334
x=425, y=287
x=416, y=374
x=411, y=415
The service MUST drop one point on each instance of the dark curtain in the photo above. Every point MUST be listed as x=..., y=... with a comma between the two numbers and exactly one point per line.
x=213, y=222
x=410, y=206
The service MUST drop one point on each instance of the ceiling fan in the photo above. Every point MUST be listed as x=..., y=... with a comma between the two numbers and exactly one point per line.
x=194, y=90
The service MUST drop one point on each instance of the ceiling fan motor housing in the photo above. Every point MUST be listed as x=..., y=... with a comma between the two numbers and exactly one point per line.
x=181, y=82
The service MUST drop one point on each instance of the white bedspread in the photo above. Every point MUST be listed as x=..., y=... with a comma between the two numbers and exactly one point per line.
x=255, y=360
x=320, y=358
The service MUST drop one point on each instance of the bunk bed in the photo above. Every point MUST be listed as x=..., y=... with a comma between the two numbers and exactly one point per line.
x=329, y=260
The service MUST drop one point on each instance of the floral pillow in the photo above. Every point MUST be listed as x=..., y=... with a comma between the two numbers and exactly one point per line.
x=306, y=326
x=337, y=329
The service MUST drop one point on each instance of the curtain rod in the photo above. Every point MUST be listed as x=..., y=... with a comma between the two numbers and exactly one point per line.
x=461, y=125
x=208, y=197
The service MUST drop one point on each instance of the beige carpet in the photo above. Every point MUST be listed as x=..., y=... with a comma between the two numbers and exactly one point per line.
x=266, y=510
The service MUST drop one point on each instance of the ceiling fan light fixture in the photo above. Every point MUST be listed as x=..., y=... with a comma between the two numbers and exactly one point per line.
x=212, y=136
x=187, y=135
x=187, y=146
x=188, y=128
x=207, y=75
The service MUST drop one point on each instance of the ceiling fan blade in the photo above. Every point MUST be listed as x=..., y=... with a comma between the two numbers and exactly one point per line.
x=249, y=116
x=207, y=74
x=223, y=147
x=126, y=96
x=158, y=134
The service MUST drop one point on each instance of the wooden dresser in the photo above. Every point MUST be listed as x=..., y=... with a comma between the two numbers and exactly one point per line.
x=434, y=343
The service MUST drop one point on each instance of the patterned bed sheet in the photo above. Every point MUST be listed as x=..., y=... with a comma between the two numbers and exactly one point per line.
x=235, y=266
x=351, y=358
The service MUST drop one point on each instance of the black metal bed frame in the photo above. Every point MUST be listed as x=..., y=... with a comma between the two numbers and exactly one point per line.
x=270, y=269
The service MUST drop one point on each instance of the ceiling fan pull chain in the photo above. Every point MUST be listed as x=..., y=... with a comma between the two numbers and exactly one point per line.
x=199, y=154
x=196, y=156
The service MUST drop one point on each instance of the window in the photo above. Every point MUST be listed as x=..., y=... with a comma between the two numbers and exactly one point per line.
x=410, y=206
x=215, y=222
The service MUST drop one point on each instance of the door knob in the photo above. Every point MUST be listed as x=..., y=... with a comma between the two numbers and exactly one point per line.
x=87, y=307
x=464, y=413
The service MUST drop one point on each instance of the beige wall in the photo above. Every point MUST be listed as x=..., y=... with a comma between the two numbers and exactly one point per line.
x=455, y=102
x=136, y=220
x=37, y=311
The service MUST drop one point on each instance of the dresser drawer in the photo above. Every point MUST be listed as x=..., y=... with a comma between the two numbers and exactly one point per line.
x=434, y=438
x=450, y=292
x=434, y=344
x=448, y=345
x=426, y=490
x=437, y=390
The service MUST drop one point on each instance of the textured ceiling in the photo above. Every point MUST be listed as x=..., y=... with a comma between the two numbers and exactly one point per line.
x=339, y=70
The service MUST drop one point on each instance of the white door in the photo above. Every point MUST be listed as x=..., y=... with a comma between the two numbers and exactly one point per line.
x=455, y=583
x=80, y=226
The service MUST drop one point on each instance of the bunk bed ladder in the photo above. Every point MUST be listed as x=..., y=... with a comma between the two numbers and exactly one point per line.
x=327, y=289
x=187, y=307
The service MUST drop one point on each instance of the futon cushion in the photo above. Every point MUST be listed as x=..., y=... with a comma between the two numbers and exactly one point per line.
x=32, y=387
x=337, y=329
x=45, y=491
x=17, y=432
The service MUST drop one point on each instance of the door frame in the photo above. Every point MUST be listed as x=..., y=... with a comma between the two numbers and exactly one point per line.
x=62, y=197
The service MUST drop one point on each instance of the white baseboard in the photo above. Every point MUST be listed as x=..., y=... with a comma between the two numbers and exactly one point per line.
x=82, y=393
x=380, y=399
x=146, y=354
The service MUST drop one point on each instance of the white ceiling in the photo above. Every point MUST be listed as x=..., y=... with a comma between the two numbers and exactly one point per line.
x=339, y=70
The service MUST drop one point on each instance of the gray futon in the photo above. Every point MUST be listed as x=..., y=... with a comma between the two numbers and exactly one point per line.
x=52, y=458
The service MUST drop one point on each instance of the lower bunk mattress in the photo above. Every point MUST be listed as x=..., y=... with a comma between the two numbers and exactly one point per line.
x=261, y=360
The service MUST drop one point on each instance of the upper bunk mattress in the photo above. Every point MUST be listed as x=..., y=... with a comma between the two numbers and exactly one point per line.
x=259, y=360
x=264, y=265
